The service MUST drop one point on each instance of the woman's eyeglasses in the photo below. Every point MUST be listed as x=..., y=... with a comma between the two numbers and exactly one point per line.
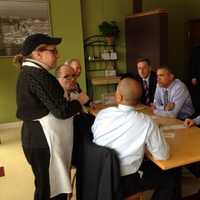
x=69, y=77
x=54, y=51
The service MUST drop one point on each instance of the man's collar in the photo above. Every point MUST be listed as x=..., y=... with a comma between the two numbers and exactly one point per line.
x=125, y=107
x=146, y=79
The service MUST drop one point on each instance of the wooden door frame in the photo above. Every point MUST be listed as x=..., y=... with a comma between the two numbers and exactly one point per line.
x=137, y=6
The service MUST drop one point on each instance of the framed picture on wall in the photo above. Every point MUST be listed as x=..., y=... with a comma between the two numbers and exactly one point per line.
x=20, y=18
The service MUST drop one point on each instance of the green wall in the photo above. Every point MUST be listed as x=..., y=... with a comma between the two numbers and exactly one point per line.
x=95, y=11
x=66, y=22
x=7, y=88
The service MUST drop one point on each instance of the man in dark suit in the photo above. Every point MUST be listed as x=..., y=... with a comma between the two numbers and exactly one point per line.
x=148, y=79
x=194, y=85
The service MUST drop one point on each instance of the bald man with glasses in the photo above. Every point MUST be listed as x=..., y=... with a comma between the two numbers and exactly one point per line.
x=67, y=79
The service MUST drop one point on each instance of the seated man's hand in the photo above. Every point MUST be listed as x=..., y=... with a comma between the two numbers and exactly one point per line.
x=92, y=105
x=83, y=98
x=170, y=106
x=189, y=123
x=153, y=107
x=194, y=82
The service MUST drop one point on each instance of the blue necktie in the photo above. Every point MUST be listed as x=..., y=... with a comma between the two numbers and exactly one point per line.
x=165, y=97
x=146, y=90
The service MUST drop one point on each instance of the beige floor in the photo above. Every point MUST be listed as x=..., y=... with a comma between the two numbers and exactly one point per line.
x=17, y=184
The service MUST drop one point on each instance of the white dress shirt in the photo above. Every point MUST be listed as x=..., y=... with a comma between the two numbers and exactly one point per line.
x=128, y=132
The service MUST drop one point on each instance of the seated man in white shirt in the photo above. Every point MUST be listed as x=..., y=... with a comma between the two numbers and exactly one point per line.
x=130, y=132
x=172, y=98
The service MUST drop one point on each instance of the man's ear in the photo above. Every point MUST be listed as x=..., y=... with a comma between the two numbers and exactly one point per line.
x=118, y=97
x=150, y=68
x=36, y=54
x=172, y=76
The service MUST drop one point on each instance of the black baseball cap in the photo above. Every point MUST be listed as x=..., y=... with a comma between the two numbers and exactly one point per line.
x=33, y=41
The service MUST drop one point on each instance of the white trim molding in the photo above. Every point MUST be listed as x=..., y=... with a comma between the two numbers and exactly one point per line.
x=11, y=125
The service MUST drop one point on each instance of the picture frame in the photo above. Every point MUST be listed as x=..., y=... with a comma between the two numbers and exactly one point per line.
x=20, y=18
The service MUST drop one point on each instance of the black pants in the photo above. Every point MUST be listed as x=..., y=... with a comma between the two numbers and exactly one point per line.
x=194, y=169
x=39, y=159
x=166, y=184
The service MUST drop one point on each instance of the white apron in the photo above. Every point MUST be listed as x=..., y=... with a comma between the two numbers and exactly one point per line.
x=59, y=135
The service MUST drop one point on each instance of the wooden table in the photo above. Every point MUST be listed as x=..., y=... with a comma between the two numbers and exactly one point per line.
x=184, y=148
x=184, y=143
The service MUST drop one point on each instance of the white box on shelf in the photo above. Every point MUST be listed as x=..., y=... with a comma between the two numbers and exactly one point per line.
x=110, y=72
x=105, y=56
x=113, y=56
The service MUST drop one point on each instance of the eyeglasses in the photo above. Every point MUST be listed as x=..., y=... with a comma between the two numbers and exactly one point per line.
x=54, y=51
x=69, y=77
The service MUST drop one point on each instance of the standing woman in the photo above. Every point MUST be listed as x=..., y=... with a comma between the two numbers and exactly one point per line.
x=47, y=131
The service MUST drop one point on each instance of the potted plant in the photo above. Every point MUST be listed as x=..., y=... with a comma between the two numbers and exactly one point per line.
x=109, y=30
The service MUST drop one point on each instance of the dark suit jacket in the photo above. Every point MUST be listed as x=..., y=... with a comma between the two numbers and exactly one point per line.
x=195, y=63
x=194, y=71
x=152, y=87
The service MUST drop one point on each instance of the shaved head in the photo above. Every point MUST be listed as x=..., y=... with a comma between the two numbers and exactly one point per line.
x=66, y=77
x=76, y=65
x=65, y=68
x=129, y=91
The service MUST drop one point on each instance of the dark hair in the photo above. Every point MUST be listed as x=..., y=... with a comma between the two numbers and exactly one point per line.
x=143, y=60
x=165, y=67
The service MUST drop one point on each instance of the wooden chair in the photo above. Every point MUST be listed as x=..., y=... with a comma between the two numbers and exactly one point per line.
x=138, y=196
x=2, y=172
x=72, y=174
